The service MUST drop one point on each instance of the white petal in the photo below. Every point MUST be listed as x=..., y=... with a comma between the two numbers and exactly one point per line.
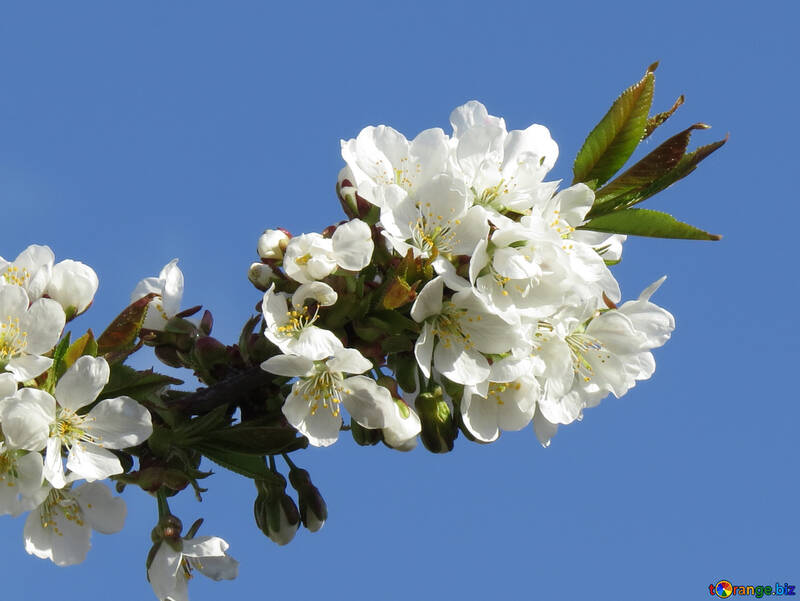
x=54, y=464
x=423, y=349
x=352, y=245
x=103, y=511
x=314, y=343
x=320, y=427
x=119, y=423
x=348, y=360
x=480, y=417
x=82, y=382
x=8, y=385
x=27, y=367
x=166, y=576
x=43, y=322
x=172, y=287
x=429, y=300
x=459, y=364
x=92, y=462
x=73, y=284
x=26, y=419
x=368, y=403
x=320, y=292
x=64, y=541
x=13, y=301
x=290, y=366
x=543, y=429
x=218, y=568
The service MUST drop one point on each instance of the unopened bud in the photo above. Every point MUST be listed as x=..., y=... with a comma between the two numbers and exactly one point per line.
x=260, y=275
x=275, y=513
x=313, y=509
x=401, y=432
x=438, y=429
x=272, y=243
x=365, y=437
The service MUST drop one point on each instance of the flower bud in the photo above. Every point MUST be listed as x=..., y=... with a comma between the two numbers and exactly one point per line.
x=438, y=429
x=73, y=285
x=260, y=275
x=275, y=513
x=313, y=510
x=272, y=243
x=401, y=433
x=365, y=437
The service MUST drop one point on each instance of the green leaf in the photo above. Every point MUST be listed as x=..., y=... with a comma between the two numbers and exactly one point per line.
x=85, y=345
x=645, y=222
x=614, y=139
x=117, y=341
x=58, y=367
x=140, y=385
x=625, y=190
x=249, y=466
x=685, y=166
x=249, y=439
x=656, y=120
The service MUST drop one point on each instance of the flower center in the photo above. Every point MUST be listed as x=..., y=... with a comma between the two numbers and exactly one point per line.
x=12, y=340
x=16, y=276
x=69, y=428
x=581, y=347
x=561, y=227
x=448, y=326
x=324, y=389
x=57, y=501
x=431, y=233
x=401, y=175
x=499, y=391
x=8, y=465
x=492, y=197
x=297, y=322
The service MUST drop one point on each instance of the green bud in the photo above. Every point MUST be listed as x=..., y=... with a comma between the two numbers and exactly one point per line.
x=275, y=512
x=438, y=428
x=365, y=437
x=313, y=509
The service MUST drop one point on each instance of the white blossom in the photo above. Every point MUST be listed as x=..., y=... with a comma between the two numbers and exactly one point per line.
x=34, y=420
x=292, y=330
x=271, y=244
x=171, y=568
x=27, y=332
x=60, y=528
x=169, y=288
x=314, y=405
x=73, y=285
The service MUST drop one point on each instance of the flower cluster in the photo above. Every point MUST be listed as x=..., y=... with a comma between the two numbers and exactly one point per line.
x=515, y=309
x=58, y=426
x=464, y=294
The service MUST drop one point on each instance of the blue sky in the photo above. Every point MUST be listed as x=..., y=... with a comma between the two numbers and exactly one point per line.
x=130, y=135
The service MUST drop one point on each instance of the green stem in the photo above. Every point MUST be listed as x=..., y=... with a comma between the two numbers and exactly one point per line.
x=163, y=506
x=289, y=462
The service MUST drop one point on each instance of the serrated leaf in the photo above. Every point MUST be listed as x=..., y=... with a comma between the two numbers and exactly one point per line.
x=250, y=439
x=685, y=166
x=85, y=345
x=625, y=189
x=249, y=466
x=117, y=341
x=616, y=136
x=656, y=120
x=126, y=381
x=646, y=222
